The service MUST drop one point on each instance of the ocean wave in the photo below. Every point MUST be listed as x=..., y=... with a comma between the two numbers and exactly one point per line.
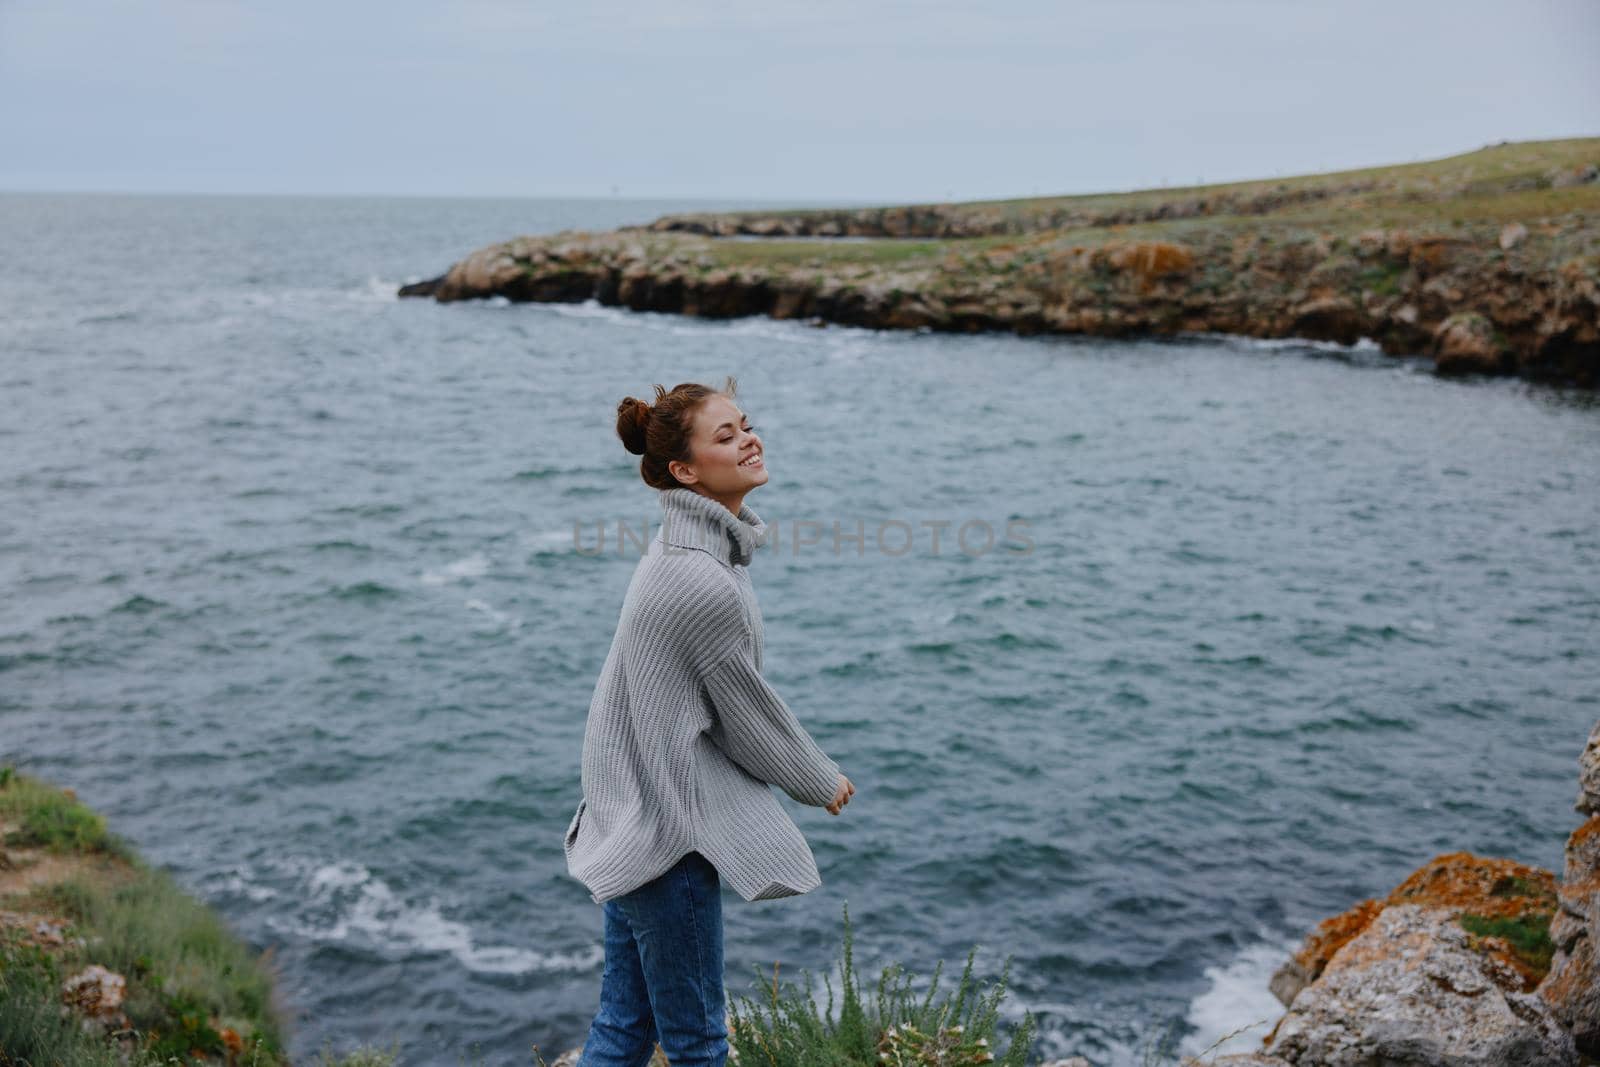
x=1237, y=998
x=787, y=331
x=473, y=566
x=375, y=290
x=503, y=619
x=343, y=902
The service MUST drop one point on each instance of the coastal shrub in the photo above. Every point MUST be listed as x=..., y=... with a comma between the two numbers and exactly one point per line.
x=32, y=1027
x=192, y=985
x=896, y=1030
x=188, y=978
x=34, y=1032
x=42, y=817
x=184, y=965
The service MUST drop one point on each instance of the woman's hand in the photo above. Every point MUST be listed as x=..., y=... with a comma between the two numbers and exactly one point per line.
x=841, y=796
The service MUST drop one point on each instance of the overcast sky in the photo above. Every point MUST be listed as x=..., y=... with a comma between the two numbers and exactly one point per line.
x=810, y=100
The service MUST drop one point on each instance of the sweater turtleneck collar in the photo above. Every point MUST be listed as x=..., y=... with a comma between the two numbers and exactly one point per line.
x=692, y=520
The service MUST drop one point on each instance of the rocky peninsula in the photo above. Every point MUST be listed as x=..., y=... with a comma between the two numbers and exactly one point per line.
x=1486, y=262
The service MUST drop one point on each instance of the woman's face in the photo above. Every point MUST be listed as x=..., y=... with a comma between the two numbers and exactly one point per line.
x=727, y=455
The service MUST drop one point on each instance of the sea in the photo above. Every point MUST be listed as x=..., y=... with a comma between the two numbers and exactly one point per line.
x=1144, y=656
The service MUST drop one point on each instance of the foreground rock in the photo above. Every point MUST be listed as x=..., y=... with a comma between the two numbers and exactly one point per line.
x=1572, y=988
x=1469, y=961
x=1415, y=987
x=1481, y=278
x=95, y=994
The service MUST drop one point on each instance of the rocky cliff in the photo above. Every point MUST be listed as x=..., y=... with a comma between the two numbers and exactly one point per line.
x=1470, y=962
x=1487, y=262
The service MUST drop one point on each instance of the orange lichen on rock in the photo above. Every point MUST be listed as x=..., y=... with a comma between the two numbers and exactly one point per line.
x=1585, y=836
x=1149, y=260
x=1494, y=888
x=1433, y=253
x=1332, y=934
x=231, y=1041
x=1457, y=882
x=1490, y=889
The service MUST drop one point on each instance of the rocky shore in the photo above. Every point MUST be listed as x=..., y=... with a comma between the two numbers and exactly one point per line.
x=1469, y=962
x=1487, y=262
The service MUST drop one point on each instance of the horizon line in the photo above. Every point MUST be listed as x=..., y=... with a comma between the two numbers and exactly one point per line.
x=794, y=201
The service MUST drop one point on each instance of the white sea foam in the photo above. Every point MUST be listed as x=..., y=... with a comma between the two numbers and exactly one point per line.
x=375, y=290
x=345, y=903
x=591, y=309
x=502, y=618
x=1364, y=344
x=234, y=882
x=789, y=331
x=587, y=538
x=1237, y=999
x=473, y=566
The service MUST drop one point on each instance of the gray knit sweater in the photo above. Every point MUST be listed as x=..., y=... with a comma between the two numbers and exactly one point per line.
x=684, y=736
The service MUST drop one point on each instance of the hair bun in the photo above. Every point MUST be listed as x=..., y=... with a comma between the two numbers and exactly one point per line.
x=633, y=421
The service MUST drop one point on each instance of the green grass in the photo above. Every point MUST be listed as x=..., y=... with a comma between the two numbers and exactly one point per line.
x=43, y=817
x=1528, y=935
x=188, y=975
x=1382, y=278
x=1486, y=208
x=1484, y=172
x=32, y=1031
x=188, y=965
x=773, y=251
x=1517, y=886
x=786, y=1028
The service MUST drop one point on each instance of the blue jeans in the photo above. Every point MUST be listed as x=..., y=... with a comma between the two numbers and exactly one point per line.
x=663, y=975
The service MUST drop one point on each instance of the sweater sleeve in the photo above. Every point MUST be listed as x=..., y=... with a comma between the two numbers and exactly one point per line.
x=758, y=731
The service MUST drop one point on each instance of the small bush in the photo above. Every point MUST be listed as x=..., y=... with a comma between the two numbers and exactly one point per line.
x=33, y=1029
x=41, y=816
x=896, y=1031
x=192, y=984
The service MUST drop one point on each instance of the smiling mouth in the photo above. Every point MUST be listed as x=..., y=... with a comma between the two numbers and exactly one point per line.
x=753, y=461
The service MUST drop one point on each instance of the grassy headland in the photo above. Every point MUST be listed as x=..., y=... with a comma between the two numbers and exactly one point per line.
x=1485, y=262
x=107, y=962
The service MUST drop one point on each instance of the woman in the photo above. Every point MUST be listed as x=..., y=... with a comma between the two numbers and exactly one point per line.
x=683, y=741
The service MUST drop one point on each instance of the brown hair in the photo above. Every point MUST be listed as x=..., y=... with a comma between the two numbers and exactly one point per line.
x=660, y=432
